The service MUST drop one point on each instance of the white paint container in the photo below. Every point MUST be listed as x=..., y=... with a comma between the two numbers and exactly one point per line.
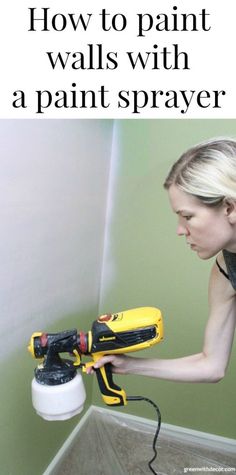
x=59, y=402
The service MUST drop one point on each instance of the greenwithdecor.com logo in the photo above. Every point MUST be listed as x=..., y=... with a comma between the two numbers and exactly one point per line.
x=210, y=469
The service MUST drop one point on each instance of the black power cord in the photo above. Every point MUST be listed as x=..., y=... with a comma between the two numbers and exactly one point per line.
x=141, y=398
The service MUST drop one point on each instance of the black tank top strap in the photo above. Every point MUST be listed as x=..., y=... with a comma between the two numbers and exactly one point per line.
x=222, y=270
x=230, y=262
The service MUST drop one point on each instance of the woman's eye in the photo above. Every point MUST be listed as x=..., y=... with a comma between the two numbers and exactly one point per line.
x=187, y=217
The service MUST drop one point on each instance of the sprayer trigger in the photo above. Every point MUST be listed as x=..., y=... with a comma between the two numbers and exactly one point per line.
x=85, y=366
x=77, y=362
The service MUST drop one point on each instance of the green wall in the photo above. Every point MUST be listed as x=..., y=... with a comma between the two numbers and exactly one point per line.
x=147, y=264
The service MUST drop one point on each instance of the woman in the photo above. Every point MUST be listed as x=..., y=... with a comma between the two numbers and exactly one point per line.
x=202, y=192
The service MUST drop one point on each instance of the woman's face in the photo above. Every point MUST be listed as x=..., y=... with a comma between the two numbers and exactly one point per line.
x=208, y=230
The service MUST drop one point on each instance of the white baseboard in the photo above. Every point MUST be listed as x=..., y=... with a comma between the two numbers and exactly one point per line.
x=176, y=433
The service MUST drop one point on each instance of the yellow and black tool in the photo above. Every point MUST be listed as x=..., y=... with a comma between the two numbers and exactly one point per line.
x=123, y=332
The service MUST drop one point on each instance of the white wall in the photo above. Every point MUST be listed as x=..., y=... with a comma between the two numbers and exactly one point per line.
x=53, y=188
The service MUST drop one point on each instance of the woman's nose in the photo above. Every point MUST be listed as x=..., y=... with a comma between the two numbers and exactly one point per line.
x=182, y=230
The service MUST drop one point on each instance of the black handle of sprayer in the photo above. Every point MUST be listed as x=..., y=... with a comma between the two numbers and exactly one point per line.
x=112, y=394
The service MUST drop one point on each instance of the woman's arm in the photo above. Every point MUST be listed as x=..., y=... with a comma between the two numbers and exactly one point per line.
x=209, y=365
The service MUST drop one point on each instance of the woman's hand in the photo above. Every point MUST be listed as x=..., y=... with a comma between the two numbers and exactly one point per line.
x=120, y=363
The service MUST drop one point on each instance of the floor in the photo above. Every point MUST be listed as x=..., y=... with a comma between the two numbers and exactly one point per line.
x=108, y=446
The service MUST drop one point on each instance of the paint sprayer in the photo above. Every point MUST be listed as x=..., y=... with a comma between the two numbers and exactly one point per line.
x=57, y=388
x=58, y=391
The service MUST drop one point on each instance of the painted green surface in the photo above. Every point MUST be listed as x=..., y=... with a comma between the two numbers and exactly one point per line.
x=27, y=442
x=147, y=264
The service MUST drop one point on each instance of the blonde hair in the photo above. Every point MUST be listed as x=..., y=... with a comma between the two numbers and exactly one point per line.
x=207, y=171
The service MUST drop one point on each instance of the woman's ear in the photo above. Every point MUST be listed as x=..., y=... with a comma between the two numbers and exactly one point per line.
x=230, y=210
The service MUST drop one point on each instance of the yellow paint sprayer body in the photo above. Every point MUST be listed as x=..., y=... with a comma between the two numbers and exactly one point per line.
x=118, y=333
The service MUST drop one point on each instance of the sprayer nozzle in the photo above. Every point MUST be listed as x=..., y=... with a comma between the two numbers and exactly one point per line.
x=31, y=347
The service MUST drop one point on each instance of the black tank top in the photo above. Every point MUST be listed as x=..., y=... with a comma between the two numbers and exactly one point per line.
x=230, y=261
